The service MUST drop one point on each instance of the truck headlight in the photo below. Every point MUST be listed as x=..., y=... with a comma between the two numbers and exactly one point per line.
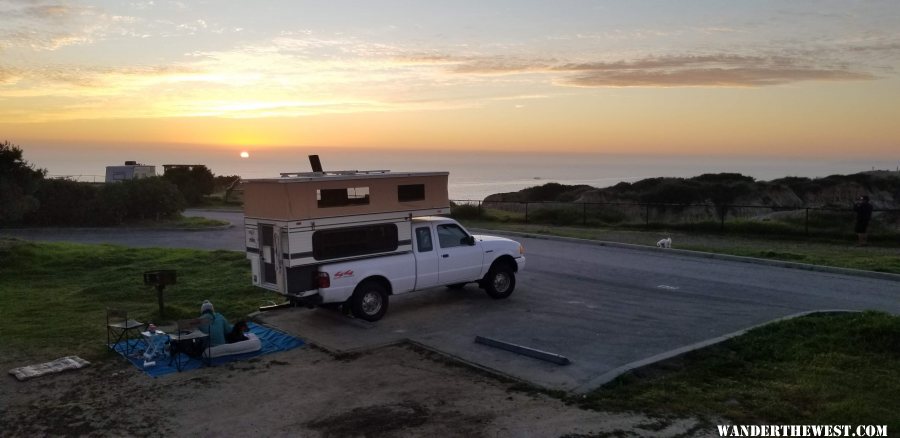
x=521, y=249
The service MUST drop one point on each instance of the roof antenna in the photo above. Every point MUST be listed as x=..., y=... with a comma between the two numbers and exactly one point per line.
x=315, y=163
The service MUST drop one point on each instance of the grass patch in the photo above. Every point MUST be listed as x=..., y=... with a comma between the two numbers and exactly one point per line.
x=54, y=295
x=819, y=369
x=884, y=257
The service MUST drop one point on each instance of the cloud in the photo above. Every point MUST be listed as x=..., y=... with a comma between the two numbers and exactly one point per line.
x=718, y=70
x=48, y=26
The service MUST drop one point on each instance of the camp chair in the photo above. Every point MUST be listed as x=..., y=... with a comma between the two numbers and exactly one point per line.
x=119, y=327
x=189, y=342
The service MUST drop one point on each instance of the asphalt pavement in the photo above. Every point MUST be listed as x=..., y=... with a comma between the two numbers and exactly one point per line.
x=602, y=307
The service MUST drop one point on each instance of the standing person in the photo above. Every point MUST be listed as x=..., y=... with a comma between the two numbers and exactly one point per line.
x=218, y=326
x=863, y=210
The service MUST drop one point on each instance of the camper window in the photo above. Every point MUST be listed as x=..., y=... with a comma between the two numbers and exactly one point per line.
x=342, y=197
x=354, y=241
x=411, y=192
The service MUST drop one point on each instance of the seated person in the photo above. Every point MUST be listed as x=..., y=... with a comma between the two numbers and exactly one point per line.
x=218, y=326
x=219, y=330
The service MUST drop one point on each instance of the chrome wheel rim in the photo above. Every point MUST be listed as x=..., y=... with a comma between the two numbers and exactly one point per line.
x=501, y=282
x=371, y=303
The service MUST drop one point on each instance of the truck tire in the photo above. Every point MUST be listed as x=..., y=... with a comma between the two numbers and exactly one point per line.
x=500, y=281
x=369, y=301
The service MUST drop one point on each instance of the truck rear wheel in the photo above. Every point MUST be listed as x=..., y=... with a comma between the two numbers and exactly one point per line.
x=369, y=301
x=500, y=282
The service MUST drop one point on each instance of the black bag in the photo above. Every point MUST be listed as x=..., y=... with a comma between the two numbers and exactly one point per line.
x=190, y=347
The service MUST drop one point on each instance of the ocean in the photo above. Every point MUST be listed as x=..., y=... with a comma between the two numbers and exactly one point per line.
x=473, y=175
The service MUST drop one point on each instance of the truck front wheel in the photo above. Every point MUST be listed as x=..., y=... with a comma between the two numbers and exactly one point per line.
x=500, y=282
x=369, y=301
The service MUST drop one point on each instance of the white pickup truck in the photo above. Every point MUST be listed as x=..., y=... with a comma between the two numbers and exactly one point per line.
x=443, y=254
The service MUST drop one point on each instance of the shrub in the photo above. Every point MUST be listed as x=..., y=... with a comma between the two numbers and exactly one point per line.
x=64, y=202
x=153, y=198
x=18, y=182
x=465, y=211
x=192, y=181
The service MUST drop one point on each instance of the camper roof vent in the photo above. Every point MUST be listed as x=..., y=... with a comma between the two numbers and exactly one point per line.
x=131, y=163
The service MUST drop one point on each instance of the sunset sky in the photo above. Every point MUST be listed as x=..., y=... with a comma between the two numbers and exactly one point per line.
x=792, y=78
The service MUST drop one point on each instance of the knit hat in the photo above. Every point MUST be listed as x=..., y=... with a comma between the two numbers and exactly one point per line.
x=206, y=307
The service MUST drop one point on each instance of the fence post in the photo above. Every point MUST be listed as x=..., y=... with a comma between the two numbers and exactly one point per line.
x=479, y=210
x=584, y=213
x=806, y=223
x=647, y=215
x=722, y=214
x=526, y=212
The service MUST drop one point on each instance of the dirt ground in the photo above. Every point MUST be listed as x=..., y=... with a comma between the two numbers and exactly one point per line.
x=394, y=391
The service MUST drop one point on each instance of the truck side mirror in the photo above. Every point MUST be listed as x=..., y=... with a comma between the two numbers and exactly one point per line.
x=469, y=240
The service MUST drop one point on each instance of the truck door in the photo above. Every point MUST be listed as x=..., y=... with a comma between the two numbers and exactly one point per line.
x=459, y=262
x=426, y=258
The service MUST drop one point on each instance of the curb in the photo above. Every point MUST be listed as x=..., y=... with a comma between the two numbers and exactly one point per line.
x=707, y=255
x=216, y=228
x=671, y=354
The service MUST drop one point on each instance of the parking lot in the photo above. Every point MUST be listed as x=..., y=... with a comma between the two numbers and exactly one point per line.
x=602, y=307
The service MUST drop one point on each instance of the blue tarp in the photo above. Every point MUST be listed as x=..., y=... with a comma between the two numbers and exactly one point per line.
x=272, y=341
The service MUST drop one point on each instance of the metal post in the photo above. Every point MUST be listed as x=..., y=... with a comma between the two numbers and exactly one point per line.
x=526, y=212
x=722, y=215
x=647, y=215
x=159, y=294
x=807, y=221
x=479, y=210
x=584, y=213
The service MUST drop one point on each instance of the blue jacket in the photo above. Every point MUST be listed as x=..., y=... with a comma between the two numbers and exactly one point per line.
x=217, y=328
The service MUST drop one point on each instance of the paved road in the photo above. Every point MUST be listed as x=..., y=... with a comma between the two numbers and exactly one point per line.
x=230, y=239
x=602, y=307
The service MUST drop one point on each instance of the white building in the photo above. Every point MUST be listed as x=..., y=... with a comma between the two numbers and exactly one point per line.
x=131, y=170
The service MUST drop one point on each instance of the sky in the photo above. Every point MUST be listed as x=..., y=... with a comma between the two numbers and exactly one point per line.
x=717, y=77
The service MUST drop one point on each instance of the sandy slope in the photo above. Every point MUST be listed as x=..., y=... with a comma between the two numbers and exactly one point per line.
x=391, y=392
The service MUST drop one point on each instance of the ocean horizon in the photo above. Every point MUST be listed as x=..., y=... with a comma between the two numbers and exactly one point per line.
x=473, y=175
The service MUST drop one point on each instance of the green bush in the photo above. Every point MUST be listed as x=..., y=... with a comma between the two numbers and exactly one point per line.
x=465, y=211
x=71, y=203
x=192, y=181
x=153, y=198
x=64, y=202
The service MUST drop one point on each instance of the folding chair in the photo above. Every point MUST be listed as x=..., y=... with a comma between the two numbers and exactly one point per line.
x=119, y=327
x=189, y=342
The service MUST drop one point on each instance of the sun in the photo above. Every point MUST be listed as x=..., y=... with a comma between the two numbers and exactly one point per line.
x=245, y=154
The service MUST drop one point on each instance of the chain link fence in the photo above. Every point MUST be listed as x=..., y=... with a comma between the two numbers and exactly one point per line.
x=749, y=219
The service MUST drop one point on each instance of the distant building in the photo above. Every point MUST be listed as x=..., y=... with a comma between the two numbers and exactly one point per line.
x=186, y=167
x=131, y=170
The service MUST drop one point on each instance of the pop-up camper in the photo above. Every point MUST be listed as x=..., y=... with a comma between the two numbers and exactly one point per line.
x=301, y=220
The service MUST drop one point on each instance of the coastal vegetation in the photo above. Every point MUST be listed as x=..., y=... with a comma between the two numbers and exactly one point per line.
x=836, y=191
x=29, y=198
x=725, y=203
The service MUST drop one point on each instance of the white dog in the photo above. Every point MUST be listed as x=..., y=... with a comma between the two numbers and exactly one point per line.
x=664, y=243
